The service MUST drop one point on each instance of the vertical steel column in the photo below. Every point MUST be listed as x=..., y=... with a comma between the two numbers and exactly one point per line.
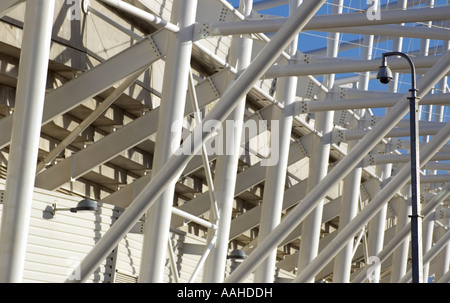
x=318, y=162
x=226, y=164
x=176, y=76
x=442, y=260
x=349, y=208
x=399, y=180
x=351, y=188
x=25, y=138
x=276, y=174
x=377, y=226
x=400, y=256
x=428, y=230
x=428, y=211
x=176, y=164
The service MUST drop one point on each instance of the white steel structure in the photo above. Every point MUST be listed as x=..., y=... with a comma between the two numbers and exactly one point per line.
x=203, y=128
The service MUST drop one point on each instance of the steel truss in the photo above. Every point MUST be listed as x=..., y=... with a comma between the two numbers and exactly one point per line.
x=145, y=127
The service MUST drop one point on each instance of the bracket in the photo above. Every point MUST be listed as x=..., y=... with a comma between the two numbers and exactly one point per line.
x=201, y=31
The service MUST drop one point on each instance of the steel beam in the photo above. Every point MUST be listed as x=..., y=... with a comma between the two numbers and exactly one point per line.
x=372, y=208
x=88, y=121
x=7, y=5
x=404, y=158
x=275, y=179
x=126, y=195
x=376, y=226
x=442, y=258
x=402, y=235
x=323, y=23
x=346, y=66
x=400, y=255
x=429, y=255
x=173, y=168
x=351, y=188
x=172, y=108
x=261, y=5
x=227, y=163
x=143, y=15
x=301, y=107
x=341, y=169
x=318, y=162
x=96, y=80
x=353, y=134
x=394, y=30
x=115, y=143
x=244, y=180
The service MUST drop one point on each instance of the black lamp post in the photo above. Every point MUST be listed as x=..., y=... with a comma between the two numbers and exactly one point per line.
x=384, y=76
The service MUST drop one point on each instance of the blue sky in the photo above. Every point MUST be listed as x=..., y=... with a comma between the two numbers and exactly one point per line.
x=313, y=40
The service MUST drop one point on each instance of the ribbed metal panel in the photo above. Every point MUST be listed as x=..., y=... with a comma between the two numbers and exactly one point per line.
x=56, y=244
x=121, y=277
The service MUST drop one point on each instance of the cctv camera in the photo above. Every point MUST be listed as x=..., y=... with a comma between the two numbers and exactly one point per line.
x=384, y=80
x=384, y=74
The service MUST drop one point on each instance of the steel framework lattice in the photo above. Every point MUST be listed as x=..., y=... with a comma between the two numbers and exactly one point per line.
x=255, y=126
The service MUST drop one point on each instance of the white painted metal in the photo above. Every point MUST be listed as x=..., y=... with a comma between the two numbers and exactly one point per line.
x=88, y=121
x=345, y=66
x=433, y=252
x=146, y=16
x=96, y=154
x=351, y=188
x=95, y=80
x=25, y=138
x=318, y=163
x=177, y=69
x=227, y=163
x=428, y=150
x=276, y=174
x=106, y=140
x=175, y=165
x=342, y=168
x=402, y=235
x=334, y=21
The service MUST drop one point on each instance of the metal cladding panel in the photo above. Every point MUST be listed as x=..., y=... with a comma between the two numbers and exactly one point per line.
x=129, y=255
x=56, y=244
x=187, y=252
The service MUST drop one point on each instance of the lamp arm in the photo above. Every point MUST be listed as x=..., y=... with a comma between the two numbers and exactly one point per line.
x=411, y=64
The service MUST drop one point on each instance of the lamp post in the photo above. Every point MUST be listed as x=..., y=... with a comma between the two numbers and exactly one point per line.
x=384, y=76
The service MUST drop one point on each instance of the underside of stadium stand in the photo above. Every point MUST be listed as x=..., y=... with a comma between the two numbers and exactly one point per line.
x=224, y=141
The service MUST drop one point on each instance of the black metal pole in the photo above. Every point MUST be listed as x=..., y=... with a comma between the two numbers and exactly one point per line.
x=416, y=218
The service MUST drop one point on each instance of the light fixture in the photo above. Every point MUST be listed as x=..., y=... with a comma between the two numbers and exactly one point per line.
x=237, y=254
x=384, y=74
x=84, y=205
